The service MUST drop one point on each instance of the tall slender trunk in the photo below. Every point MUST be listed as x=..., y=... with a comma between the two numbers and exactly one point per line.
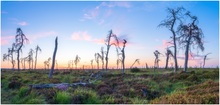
x=175, y=57
x=186, y=55
x=54, y=58
x=18, y=56
x=167, y=60
x=98, y=66
x=106, y=58
x=123, y=61
x=35, y=60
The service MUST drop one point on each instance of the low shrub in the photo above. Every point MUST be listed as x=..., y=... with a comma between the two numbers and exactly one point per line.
x=32, y=98
x=108, y=99
x=23, y=91
x=62, y=97
x=134, y=70
x=85, y=96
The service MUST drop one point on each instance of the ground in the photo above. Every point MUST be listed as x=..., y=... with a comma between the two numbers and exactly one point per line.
x=137, y=87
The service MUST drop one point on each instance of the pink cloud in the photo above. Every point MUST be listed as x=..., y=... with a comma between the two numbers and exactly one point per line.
x=99, y=41
x=81, y=36
x=6, y=39
x=43, y=34
x=22, y=23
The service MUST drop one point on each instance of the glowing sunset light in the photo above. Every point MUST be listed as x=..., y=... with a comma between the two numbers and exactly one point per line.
x=82, y=28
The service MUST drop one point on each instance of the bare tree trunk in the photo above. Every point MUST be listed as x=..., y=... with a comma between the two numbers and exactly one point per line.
x=54, y=57
x=186, y=55
x=133, y=64
x=123, y=61
x=106, y=58
x=175, y=46
x=18, y=56
x=167, y=60
x=35, y=60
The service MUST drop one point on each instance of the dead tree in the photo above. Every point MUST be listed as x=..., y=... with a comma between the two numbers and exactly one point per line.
x=136, y=61
x=9, y=55
x=97, y=57
x=108, y=44
x=102, y=57
x=30, y=58
x=146, y=66
x=205, y=57
x=92, y=63
x=168, y=55
x=54, y=58
x=20, y=39
x=36, y=50
x=172, y=20
x=190, y=34
x=156, y=61
x=77, y=60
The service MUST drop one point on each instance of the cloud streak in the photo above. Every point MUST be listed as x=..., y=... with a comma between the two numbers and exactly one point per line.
x=22, y=23
x=103, y=10
x=6, y=39
x=84, y=36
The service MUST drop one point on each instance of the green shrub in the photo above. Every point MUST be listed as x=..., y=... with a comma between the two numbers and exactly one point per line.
x=85, y=96
x=134, y=70
x=23, y=91
x=107, y=99
x=31, y=98
x=62, y=97
x=138, y=101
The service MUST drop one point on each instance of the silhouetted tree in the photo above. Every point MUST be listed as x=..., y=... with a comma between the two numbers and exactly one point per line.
x=146, y=66
x=9, y=55
x=205, y=57
x=30, y=58
x=136, y=61
x=47, y=63
x=156, y=61
x=36, y=50
x=91, y=63
x=168, y=54
x=20, y=39
x=54, y=58
x=77, y=60
x=170, y=22
x=102, y=57
x=123, y=56
x=56, y=65
x=190, y=34
x=108, y=45
x=97, y=57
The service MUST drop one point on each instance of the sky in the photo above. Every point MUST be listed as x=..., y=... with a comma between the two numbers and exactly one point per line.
x=82, y=26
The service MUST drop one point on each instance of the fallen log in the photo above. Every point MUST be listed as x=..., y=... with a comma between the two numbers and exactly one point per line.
x=64, y=86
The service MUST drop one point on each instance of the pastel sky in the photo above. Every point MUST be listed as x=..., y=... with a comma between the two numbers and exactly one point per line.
x=82, y=27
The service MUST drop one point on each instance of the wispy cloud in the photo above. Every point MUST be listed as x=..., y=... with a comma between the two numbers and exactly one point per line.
x=42, y=35
x=85, y=36
x=165, y=44
x=6, y=39
x=80, y=35
x=18, y=22
x=116, y=4
x=102, y=11
x=4, y=12
x=22, y=23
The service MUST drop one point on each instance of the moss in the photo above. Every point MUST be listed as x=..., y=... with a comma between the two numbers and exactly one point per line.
x=85, y=96
x=134, y=70
x=62, y=97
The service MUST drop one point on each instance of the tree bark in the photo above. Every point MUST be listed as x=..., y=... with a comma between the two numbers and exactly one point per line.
x=167, y=60
x=186, y=55
x=54, y=57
